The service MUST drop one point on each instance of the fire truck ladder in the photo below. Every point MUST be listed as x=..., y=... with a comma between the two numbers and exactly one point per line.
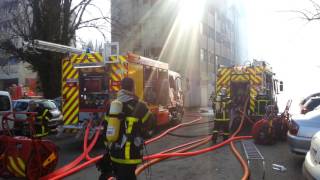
x=253, y=156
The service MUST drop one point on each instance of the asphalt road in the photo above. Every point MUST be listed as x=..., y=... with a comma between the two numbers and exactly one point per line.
x=219, y=164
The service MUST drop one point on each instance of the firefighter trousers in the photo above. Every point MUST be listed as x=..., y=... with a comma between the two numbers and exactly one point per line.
x=221, y=127
x=124, y=171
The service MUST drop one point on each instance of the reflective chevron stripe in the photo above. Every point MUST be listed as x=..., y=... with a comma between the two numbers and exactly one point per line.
x=117, y=72
x=16, y=166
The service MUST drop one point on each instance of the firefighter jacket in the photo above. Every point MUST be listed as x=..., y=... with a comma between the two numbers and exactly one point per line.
x=41, y=122
x=136, y=120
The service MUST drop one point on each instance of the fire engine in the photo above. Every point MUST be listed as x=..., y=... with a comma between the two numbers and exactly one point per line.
x=255, y=82
x=90, y=81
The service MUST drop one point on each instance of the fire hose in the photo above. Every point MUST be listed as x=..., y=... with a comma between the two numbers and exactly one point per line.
x=193, y=144
x=159, y=157
x=171, y=129
x=244, y=165
x=72, y=167
x=63, y=172
x=194, y=153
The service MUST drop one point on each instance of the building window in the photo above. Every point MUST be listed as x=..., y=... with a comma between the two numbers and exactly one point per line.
x=203, y=55
x=219, y=37
x=146, y=52
x=211, y=58
x=211, y=33
x=204, y=28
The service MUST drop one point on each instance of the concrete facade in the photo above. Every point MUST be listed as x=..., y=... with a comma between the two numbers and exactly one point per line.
x=162, y=30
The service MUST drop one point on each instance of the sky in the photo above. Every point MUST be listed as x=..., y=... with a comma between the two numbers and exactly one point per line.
x=288, y=43
x=90, y=34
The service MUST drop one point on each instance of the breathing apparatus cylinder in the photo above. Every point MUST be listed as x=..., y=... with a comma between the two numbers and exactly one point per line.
x=113, y=128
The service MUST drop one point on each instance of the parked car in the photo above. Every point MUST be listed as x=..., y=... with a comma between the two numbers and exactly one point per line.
x=301, y=130
x=5, y=107
x=58, y=102
x=310, y=104
x=22, y=105
x=311, y=165
x=308, y=97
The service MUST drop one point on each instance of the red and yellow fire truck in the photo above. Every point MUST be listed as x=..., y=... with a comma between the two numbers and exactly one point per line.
x=91, y=80
x=234, y=85
x=89, y=84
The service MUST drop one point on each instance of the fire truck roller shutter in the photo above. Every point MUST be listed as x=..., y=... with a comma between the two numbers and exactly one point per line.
x=135, y=71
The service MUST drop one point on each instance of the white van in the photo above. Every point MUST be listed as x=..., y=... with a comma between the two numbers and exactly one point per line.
x=5, y=106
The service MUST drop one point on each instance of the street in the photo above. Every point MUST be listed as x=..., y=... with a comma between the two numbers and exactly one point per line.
x=219, y=164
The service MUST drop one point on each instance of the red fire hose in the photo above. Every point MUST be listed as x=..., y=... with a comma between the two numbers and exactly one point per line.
x=154, y=156
x=70, y=168
x=193, y=144
x=56, y=174
x=237, y=154
x=171, y=129
x=244, y=165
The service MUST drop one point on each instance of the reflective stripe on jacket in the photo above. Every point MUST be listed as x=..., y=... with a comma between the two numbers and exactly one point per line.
x=41, y=123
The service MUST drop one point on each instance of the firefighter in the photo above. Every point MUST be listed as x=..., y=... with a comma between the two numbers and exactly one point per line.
x=42, y=118
x=125, y=148
x=213, y=99
x=222, y=119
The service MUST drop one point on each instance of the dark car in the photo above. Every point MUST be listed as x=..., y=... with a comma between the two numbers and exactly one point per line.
x=22, y=105
x=310, y=104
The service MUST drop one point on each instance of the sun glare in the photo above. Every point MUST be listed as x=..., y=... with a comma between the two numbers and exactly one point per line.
x=182, y=40
x=191, y=12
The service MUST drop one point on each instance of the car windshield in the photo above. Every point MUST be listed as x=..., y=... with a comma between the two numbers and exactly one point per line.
x=48, y=104
x=4, y=103
x=21, y=106
x=313, y=103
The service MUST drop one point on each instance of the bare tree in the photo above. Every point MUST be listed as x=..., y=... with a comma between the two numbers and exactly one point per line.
x=309, y=14
x=50, y=20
